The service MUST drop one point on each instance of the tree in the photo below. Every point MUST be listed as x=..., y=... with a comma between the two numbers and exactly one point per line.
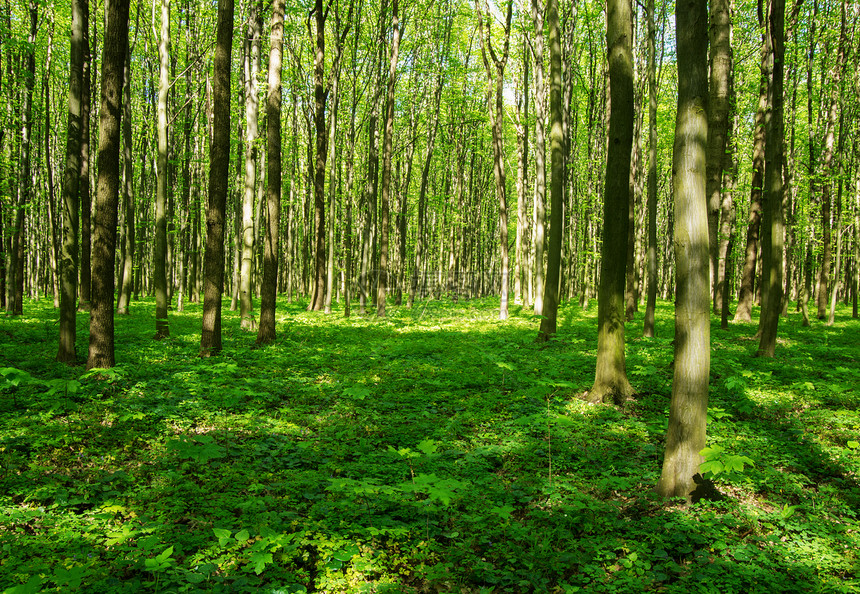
x=685, y=437
x=651, y=256
x=101, y=352
x=71, y=182
x=162, y=329
x=252, y=43
x=537, y=48
x=497, y=119
x=720, y=30
x=266, y=330
x=387, y=148
x=15, y=282
x=556, y=141
x=772, y=221
x=219, y=164
x=610, y=382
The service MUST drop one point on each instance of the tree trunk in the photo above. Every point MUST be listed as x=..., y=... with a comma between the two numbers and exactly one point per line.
x=540, y=159
x=219, y=162
x=556, y=141
x=387, y=148
x=71, y=183
x=772, y=222
x=685, y=437
x=127, y=273
x=651, y=258
x=719, y=102
x=101, y=352
x=497, y=119
x=610, y=382
x=252, y=108
x=745, y=299
x=266, y=331
x=84, y=188
x=162, y=329
x=15, y=286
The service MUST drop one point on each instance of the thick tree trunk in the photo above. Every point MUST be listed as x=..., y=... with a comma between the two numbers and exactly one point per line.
x=101, y=352
x=219, y=161
x=610, y=381
x=266, y=332
x=685, y=437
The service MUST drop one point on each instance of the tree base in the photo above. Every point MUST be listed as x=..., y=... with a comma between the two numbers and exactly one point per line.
x=617, y=393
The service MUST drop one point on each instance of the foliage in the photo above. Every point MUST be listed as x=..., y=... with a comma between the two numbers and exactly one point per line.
x=437, y=450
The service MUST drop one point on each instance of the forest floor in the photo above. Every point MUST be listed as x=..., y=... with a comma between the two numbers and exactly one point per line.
x=438, y=450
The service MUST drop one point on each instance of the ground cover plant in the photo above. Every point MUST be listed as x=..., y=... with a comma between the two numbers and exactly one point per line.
x=437, y=450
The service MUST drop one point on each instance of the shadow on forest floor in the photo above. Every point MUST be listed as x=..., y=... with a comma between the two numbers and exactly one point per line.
x=436, y=450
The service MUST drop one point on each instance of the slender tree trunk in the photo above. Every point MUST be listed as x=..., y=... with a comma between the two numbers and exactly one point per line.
x=685, y=437
x=831, y=172
x=540, y=158
x=520, y=282
x=266, y=331
x=127, y=273
x=497, y=119
x=71, y=182
x=719, y=101
x=101, y=352
x=387, y=148
x=610, y=382
x=252, y=109
x=556, y=141
x=651, y=258
x=219, y=161
x=84, y=188
x=51, y=198
x=15, y=299
x=772, y=222
x=162, y=329
x=745, y=299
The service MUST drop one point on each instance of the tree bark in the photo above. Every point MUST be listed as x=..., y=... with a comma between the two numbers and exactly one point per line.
x=71, y=183
x=556, y=141
x=720, y=32
x=685, y=437
x=745, y=299
x=127, y=273
x=651, y=257
x=252, y=45
x=610, y=381
x=539, y=239
x=772, y=222
x=219, y=161
x=497, y=120
x=84, y=188
x=387, y=148
x=162, y=328
x=266, y=331
x=101, y=351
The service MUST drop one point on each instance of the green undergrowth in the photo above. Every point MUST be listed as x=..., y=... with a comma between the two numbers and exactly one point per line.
x=438, y=450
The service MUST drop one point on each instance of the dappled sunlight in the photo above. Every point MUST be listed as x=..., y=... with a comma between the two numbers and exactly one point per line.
x=437, y=450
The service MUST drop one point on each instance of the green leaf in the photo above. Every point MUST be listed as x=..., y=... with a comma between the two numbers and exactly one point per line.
x=715, y=467
x=259, y=561
x=428, y=446
x=164, y=555
x=853, y=444
x=242, y=535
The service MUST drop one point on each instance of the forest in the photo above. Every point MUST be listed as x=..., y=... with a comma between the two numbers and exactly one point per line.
x=429, y=296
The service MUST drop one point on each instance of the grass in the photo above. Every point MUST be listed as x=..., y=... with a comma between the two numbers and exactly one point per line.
x=439, y=450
